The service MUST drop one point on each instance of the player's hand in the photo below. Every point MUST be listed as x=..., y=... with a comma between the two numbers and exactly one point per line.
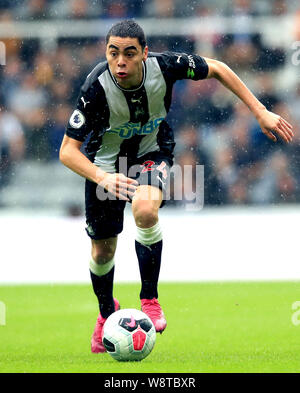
x=273, y=125
x=119, y=185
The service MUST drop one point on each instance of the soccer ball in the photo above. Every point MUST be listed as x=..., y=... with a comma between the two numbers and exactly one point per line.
x=129, y=334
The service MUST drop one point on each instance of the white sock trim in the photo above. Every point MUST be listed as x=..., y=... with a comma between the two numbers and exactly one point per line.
x=101, y=270
x=148, y=236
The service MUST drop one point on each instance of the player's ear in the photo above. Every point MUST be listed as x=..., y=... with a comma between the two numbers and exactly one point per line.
x=145, y=53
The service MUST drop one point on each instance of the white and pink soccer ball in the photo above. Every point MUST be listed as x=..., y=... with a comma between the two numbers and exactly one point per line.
x=129, y=334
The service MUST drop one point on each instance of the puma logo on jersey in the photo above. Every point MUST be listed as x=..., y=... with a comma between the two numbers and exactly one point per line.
x=84, y=103
x=178, y=58
x=139, y=100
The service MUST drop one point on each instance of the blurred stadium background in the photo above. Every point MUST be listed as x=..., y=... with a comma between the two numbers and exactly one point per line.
x=248, y=227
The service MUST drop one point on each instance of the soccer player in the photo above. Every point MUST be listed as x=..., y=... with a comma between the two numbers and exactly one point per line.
x=121, y=108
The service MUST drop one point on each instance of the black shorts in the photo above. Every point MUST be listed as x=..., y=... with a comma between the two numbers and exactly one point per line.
x=104, y=218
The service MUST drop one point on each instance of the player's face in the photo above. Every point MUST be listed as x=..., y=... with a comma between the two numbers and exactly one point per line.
x=125, y=58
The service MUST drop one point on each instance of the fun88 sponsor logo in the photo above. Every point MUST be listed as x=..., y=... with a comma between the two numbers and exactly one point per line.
x=128, y=130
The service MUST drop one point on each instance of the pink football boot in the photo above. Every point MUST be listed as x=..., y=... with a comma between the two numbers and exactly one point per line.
x=97, y=344
x=152, y=308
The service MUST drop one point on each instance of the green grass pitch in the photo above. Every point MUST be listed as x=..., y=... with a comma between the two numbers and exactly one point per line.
x=212, y=327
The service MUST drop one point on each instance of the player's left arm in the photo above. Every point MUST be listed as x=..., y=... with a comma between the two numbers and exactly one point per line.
x=270, y=123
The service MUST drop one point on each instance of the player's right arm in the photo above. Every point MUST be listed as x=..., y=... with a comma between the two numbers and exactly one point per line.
x=83, y=120
x=71, y=156
x=116, y=183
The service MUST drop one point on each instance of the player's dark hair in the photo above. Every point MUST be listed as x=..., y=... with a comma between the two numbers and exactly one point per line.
x=127, y=28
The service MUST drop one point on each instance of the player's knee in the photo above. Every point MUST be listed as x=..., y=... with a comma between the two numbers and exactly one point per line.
x=101, y=257
x=145, y=215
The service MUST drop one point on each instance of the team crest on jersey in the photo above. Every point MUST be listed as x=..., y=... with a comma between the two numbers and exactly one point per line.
x=77, y=119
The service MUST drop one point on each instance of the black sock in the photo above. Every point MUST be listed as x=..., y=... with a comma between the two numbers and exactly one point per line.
x=103, y=288
x=149, y=258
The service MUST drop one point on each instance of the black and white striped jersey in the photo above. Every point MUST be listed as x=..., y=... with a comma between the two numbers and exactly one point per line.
x=124, y=122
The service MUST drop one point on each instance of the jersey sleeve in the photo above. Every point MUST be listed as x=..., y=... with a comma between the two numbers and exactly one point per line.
x=88, y=113
x=184, y=66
